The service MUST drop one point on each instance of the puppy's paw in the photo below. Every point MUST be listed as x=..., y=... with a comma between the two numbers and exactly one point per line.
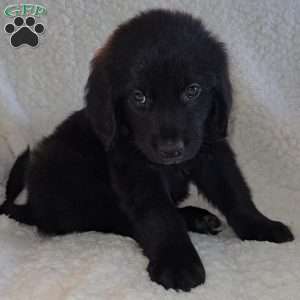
x=200, y=220
x=183, y=272
x=263, y=229
x=279, y=233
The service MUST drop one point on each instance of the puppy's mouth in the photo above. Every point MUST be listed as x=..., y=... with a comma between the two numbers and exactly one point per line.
x=172, y=161
x=157, y=159
x=171, y=157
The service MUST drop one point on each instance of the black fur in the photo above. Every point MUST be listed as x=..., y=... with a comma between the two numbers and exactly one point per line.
x=122, y=164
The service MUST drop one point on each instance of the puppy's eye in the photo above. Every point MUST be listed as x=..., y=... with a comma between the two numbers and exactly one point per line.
x=139, y=98
x=192, y=92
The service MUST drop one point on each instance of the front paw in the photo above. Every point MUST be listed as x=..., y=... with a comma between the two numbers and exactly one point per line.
x=181, y=271
x=200, y=220
x=262, y=229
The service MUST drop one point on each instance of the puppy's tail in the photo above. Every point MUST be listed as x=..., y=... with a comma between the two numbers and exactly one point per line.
x=14, y=186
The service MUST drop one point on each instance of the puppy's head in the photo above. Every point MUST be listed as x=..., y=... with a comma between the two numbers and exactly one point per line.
x=164, y=78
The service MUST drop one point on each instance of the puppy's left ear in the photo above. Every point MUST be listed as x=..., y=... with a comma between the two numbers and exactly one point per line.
x=100, y=107
x=221, y=106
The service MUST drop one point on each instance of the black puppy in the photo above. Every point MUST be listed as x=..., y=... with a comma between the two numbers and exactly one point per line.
x=157, y=105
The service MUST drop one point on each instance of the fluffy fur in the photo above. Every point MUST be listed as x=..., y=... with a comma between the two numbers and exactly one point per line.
x=123, y=163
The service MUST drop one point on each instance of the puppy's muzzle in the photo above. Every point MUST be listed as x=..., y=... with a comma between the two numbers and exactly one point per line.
x=170, y=150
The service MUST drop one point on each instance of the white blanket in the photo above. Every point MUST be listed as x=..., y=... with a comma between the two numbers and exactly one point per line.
x=39, y=87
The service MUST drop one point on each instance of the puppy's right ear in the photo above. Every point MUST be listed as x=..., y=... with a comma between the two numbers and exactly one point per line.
x=98, y=97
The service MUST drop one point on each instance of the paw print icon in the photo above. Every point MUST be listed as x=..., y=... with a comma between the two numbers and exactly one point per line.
x=24, y=32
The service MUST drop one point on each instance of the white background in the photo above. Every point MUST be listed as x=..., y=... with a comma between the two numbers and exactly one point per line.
x=39, y=87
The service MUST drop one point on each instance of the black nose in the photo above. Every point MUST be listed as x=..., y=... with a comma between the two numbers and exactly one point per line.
x=171, y=149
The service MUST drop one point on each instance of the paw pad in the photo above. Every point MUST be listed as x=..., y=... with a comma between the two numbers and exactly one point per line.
x=24, y=32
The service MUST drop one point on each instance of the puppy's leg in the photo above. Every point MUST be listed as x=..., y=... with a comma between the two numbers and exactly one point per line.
x=157, y=225
x=200, y=220
x=219, y=177
x=68, y=192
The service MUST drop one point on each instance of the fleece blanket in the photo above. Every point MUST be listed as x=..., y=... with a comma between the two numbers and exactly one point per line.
x=41, y=86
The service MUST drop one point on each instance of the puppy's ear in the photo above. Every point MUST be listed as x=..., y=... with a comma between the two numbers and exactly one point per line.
x=98, y=97
x=221, y=107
